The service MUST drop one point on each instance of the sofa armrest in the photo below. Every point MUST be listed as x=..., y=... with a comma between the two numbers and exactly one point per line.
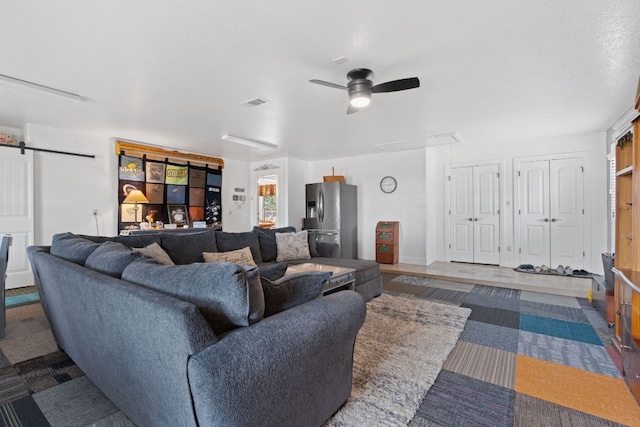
x=290, y=369
x=328, y=250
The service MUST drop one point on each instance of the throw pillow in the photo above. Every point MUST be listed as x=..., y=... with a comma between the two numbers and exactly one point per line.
x=273, y=271
x=156, y=252
x=72, y=248
x=241, y=256
x=234, y=241
x=111, y=258
x=292, y=246
x=267, y=239
x=187, y=247
x=292, y=290
x=228, y=295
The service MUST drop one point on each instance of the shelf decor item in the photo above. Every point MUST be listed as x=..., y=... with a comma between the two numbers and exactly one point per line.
x=333, y=177
x=8, y=139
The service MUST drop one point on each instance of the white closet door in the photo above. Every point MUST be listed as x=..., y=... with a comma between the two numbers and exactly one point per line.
x=16, y=212
x=462, y=214
x=486, y=225
x=566, y=212
x=533, y=188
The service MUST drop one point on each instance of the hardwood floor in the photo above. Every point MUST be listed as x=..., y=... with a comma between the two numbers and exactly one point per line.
x=495, y=276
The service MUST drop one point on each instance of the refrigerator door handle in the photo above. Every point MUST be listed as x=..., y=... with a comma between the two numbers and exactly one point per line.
x=321, y=207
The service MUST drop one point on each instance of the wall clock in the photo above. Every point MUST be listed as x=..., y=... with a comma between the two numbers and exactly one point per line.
x=388, y=184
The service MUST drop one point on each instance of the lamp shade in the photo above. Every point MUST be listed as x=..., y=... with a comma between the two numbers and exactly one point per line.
x=135, y=196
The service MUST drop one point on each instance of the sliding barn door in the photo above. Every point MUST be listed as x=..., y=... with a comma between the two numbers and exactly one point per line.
x=16, y=212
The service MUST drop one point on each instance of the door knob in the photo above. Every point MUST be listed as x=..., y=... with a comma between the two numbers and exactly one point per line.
x=475, y=219
x=545, y=219
x=555, y=219
x=469, y=219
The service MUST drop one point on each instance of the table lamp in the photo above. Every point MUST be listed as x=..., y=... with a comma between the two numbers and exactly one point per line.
x=135, y=197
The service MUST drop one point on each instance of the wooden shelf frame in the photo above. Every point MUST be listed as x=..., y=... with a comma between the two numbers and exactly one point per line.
x=158, y=153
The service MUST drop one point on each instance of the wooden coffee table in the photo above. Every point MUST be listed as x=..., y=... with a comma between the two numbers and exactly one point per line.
x=342, y=278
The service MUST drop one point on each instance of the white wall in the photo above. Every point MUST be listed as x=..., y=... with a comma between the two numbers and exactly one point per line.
x=592, y=144
x=235, y=214
x=407, y=204
x=68, y=188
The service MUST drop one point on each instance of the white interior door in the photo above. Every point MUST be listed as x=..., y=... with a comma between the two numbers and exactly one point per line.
x=566, y=213
x=16, y=212
x=486, y=214
x=533, y=183
x=551, y=212
x=475, y=214
x=461, y=214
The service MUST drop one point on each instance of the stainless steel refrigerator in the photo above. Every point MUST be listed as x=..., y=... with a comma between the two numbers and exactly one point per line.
x=332, y=212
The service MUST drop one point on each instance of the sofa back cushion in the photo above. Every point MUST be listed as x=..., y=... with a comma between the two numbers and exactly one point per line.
x=137, y=240
x=228, y=295
x=111, y=258
x=233, y=241
x=186, y=247
x=267, y=239
x=72, y=248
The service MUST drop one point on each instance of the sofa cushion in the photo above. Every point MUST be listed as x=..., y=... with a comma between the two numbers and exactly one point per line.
x=187, y=248
x=292, y=246
x=111, y=258
x=228, y=295
x=72, y=248
x=273, y=271
x=240, y=256
x=267, y=239
x=156, y=252
x=137, y=240
x=313, y=244
x=292, y=290
x=233, y=241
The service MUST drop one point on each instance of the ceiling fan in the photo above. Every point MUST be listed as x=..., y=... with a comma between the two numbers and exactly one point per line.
x=360, y=87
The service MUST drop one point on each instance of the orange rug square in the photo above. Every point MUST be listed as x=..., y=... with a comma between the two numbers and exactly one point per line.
x=595, y=394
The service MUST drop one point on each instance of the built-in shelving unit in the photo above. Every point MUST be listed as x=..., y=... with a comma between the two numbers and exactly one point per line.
x=627, y=260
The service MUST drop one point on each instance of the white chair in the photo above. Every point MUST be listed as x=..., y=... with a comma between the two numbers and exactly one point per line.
x=4, y=260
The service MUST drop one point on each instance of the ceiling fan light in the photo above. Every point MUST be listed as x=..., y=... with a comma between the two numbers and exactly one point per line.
x=360, y=100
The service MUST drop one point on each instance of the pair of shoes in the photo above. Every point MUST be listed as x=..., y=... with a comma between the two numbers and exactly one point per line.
x=525, y=267
x=537, y=269
x=560, y=270
x=544, y=268
x=581, y=273
x=568, y=271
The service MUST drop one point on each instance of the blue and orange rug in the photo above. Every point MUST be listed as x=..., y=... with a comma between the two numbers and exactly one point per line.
x=525, y=359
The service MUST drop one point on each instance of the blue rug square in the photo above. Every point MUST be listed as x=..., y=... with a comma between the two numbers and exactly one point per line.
x=559, y=328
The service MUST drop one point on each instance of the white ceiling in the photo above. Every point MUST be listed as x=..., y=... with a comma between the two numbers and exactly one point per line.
x=173, y=73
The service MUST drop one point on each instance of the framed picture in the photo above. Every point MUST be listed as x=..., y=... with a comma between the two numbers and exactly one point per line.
x=178, y=215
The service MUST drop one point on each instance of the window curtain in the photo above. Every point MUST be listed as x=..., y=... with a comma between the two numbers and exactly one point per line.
x=267, y=190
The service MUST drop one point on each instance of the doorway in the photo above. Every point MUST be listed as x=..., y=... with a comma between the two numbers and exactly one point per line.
x=268, y=201
x=550, y=211
x=475, y=214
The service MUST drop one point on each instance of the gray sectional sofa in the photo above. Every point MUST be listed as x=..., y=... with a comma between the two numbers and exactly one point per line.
x=203, y=343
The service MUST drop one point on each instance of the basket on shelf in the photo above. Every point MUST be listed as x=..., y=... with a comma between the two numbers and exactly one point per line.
x=8, y=139
x=333, y=177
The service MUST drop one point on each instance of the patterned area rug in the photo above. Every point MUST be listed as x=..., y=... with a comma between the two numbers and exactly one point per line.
x=398, y=355
x=413, y=280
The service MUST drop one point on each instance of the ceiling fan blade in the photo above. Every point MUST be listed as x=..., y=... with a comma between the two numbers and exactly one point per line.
x=352, y=109
x=396, y=85
x=323, y=83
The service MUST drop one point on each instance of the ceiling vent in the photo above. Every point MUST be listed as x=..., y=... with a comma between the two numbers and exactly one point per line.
x=254, y=102
x=414, y=144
